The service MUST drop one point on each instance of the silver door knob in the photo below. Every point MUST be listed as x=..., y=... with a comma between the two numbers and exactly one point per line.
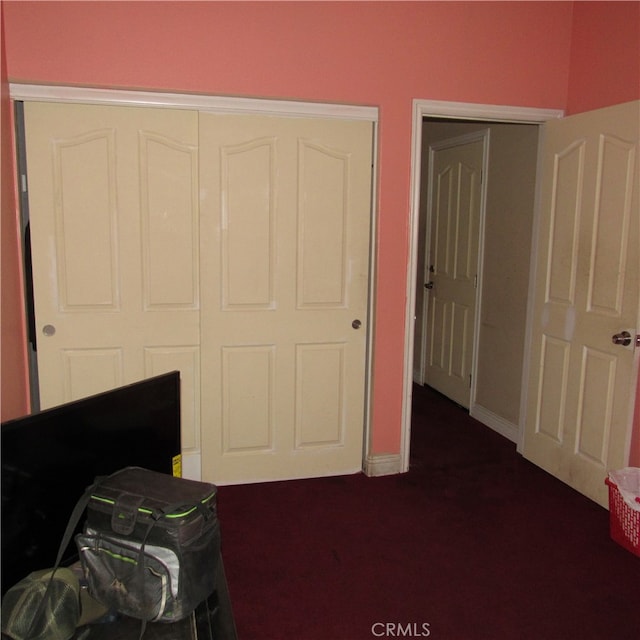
x=623, y=338
x=48, y=330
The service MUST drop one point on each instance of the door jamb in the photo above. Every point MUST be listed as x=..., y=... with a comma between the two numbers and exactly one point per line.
x=457, y=111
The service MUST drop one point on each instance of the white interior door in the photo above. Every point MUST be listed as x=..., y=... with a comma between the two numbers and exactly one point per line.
x=450, y=279
x=285, y=255
x=113, y=197
x=581, y=386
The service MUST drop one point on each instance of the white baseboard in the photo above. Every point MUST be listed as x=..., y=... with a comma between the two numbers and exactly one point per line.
x=191, y=465
x=505, y=428
x=383, y=465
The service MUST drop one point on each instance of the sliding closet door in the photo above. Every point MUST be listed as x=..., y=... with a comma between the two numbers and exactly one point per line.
x=285, y=264
x=113, y=196
x=232, y=248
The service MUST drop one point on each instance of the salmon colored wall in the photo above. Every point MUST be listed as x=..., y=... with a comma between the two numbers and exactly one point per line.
x=14, y=400
x=379, y=53
x=605, y=55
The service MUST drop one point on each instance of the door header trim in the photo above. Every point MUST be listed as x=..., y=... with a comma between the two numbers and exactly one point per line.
x=195, y=101
x=490, y=112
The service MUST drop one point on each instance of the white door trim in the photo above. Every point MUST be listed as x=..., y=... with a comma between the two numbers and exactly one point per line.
x=459, y=111
x=199, y=102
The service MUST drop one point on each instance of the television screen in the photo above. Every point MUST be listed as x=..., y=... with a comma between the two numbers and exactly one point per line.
x=50, y=457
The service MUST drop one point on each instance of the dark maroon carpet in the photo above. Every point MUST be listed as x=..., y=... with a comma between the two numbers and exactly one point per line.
x=473, y=542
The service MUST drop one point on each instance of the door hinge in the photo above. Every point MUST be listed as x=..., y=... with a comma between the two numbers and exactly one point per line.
x=23, y=182
x=475, y=281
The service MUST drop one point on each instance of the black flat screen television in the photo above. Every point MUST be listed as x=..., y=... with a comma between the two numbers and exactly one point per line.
x=50, y=457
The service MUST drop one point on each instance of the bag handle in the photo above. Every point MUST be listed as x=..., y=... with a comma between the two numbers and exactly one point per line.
x=125, y=513
x=74, y=519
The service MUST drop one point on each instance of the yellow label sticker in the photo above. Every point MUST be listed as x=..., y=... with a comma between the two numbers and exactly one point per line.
x=176, y=463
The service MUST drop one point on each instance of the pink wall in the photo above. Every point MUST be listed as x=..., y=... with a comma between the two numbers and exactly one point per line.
x=379, y=53
x=605, y=55
x=14, y=400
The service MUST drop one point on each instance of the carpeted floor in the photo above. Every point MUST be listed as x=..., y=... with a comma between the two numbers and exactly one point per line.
x=473, y=542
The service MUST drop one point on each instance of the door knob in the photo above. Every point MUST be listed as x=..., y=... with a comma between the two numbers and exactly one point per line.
x=623, y=338
x=428, y=285
x=48, y=330
x=356, y=324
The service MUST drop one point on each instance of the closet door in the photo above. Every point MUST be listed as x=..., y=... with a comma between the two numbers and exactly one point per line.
x=285, y=263
x=113, y=198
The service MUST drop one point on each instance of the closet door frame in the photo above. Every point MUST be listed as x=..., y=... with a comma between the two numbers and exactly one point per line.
x=233, y=105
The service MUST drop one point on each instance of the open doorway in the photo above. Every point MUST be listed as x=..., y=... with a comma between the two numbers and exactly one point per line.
x=503, y=270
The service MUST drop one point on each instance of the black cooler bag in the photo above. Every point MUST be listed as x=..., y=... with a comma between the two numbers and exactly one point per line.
x=150, y=544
